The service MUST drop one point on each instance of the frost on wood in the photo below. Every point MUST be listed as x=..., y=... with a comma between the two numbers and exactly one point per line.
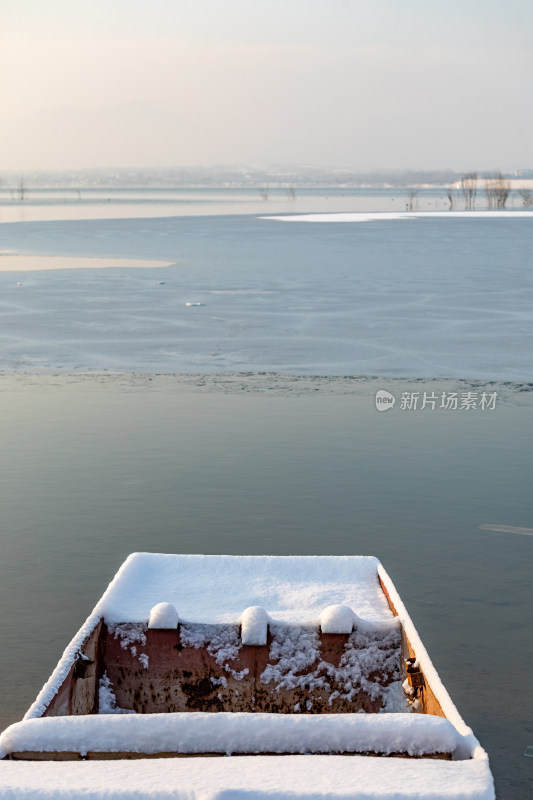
x=131, y=634
x=370, y=664
x=254, y=626
x=164, y=616
x=222, y=642
x=293, y=650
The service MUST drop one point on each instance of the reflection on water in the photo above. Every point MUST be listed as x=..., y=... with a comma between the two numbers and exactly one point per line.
x=54, y=204
x=95, y=468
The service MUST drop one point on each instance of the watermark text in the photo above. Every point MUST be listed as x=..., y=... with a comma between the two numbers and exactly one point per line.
x=431, y=401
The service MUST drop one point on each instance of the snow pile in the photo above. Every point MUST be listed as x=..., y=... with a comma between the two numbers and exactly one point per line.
x=248, y=778
x=370, y=663
x=254, y=626
x=337, y=619
x=228, y=733
x=163, y=615
x=107, y=702
x=217, y=589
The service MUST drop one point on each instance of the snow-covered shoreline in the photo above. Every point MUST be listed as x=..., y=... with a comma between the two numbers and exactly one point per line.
x=388, y=216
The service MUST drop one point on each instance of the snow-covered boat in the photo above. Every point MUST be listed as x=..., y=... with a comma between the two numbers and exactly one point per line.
x=306, y=666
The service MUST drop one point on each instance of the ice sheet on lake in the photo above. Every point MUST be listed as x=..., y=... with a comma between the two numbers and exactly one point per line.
x=443, y=296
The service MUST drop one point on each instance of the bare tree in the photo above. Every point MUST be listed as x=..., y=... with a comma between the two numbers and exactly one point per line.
x=451, y=199
x=412, y=199
x=503, y=190
x=469, y=189
x=489, y=192
x=527, y=197
x=497, y=189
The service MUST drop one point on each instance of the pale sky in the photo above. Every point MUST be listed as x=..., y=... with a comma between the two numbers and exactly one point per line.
x=364, y=84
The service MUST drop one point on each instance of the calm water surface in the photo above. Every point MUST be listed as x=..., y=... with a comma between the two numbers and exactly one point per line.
x=95, y=468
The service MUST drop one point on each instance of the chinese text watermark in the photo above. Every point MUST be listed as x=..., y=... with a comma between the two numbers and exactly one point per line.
x=446, y=401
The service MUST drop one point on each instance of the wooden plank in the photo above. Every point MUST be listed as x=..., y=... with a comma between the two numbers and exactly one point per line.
x=125, y=755
x=429, y=703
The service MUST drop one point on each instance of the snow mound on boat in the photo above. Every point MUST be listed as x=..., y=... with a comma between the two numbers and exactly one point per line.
x=163, y=615
x=337, y=619
x=254, y=626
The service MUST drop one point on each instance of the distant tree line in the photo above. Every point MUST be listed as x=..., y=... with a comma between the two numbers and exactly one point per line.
x=496, y=186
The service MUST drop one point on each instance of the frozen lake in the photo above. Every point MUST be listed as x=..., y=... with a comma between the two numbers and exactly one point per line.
x=423, y=296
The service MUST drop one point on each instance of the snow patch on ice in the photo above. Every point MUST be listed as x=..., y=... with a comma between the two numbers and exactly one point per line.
x=385, y=216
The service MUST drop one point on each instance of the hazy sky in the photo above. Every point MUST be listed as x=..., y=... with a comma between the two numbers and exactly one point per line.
x=356, y=83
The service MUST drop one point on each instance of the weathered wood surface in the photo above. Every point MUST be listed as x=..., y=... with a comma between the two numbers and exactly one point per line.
x=428, y=702
x=107, y=756
x=182, y=678
x=79, y=695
